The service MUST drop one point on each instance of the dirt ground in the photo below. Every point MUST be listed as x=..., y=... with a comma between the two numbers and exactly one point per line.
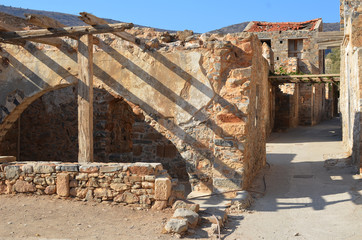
x=44, y=217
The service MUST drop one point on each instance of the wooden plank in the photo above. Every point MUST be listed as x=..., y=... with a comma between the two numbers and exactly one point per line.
x=9, y=28
x=43, y=21
x=93, y=20
x=62, y=32
x=6, y=159
x=85, y=99
x=47, y=22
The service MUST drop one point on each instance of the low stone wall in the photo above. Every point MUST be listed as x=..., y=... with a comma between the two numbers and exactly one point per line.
x=142, y=184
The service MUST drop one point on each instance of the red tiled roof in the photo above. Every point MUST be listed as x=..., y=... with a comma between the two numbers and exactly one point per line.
x=282, y=26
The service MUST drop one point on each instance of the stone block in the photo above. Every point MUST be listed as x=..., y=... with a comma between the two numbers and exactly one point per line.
x=89, y=168
x=3, y=188
x=162, y=188
x=191, y=217
x=12, y=172
x=24, y=187
x=27, y=169
x=135, y=178
x=176, y=226
x=78, y=192
x=182, y=204
x=113, y=168
x=227, y=184
x=126, y=197
x=49, y=190
x=44, y=168
x=159, y=205
x=39, y=180
x=100, y=192
x=148, y=185
x=82, y=176
x=150, y=178
x=63, y=184
x=69, y=167
x=141, y=169
x=223, y=143
x=119, y=186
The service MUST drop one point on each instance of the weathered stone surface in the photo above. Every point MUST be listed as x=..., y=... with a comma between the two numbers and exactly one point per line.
x=100, y=192
x=70, y=168
x=49, y=190
x=119, y=186
x=3, y=188
x=24, y=187
x=178, y=191
x=27, y=169
x=78, y=192
x=63, y=184
x=89, y=168
x=162, y=188
x=191, y=217
x=39, y=180
x=12, y=172
x=176, y=226
x=159, y=205
x=82, y=176
x=44, y=168
x=106, y=169
x=190, y=206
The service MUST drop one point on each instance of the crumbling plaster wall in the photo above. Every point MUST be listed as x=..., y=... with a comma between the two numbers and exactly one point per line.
x=351, y=73
x=206, y=95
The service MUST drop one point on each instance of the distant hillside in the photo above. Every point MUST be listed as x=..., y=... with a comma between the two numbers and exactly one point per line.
x=66, y=19
x=231, y=29
x=72, y=20
x=327, y=27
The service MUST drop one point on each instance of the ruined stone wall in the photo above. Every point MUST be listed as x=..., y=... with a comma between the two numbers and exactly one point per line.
x=49, y=132
x=310, y=61
x=138, y=184
x=351, y=72
x=206, y=95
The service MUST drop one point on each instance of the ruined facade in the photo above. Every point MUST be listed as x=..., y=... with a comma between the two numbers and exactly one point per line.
x=197, y=105
x=351, y=78
x=295, y=50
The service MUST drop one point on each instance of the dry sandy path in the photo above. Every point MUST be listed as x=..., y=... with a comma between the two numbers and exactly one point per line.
x=304, y=200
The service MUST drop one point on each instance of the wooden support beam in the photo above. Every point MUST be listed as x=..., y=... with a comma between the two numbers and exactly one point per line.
x=43, y=21
x=63, y=32
x=93, y=21
x=5, y=28
x=85, y=99
x=49, y=23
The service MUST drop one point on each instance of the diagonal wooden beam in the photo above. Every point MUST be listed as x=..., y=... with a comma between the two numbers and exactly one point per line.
x=43, y=21
x=92, y=20
x=63, y=32
x=9, y=28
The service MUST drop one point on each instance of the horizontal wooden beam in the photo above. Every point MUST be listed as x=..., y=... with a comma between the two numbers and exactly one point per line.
x=6, y=28
x=62, y=32
x=94, y=20
x=311, y=78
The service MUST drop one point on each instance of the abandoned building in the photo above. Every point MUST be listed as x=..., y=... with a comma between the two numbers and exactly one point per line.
x=295, y=49
x=115, y=112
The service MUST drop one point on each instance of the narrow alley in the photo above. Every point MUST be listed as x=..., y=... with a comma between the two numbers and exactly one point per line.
x=311, y=192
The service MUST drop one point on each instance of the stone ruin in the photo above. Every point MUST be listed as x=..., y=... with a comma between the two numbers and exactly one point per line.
x=196, y=104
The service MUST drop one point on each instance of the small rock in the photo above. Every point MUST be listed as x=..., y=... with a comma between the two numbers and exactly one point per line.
x=176, y=226
x=191, y=216
x=182, y=204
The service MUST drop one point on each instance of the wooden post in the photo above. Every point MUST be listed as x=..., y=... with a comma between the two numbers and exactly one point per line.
x=85, y=98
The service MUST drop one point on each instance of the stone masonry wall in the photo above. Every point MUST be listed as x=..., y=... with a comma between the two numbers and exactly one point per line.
x=351, y=80
x=206, y=94
x=139, y=184
x=49, y=132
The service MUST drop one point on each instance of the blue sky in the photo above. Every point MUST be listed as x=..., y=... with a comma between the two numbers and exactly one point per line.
x=197, y=15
